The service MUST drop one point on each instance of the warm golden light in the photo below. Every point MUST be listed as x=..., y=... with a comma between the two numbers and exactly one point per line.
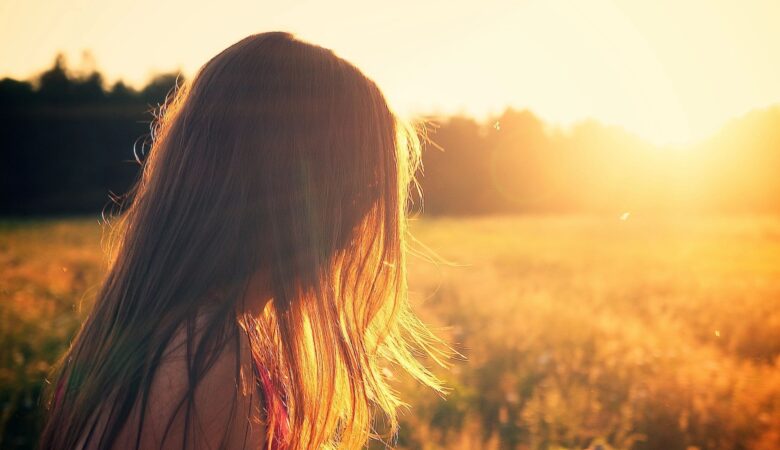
x=594, y=215
x=670, y=71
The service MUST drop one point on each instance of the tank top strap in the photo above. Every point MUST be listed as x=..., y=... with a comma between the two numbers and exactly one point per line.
x=275, y=406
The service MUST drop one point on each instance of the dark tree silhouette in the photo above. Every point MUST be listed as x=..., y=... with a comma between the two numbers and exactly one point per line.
x=67, y=145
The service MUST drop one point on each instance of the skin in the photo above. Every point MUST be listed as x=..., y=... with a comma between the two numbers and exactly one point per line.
x=213, y=396
x=257, y=294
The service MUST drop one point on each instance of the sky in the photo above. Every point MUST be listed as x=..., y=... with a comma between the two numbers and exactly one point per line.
x=671, y=71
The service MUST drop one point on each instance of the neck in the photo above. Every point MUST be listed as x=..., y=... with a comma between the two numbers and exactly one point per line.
x=257, y=294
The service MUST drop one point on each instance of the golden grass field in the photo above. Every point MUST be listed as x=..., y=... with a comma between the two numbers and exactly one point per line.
x=576, y=332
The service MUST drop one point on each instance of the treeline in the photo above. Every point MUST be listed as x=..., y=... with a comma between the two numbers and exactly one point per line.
x=517, y=163
x=67, y=145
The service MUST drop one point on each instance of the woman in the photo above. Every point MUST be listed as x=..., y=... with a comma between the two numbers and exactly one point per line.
x=257, y=289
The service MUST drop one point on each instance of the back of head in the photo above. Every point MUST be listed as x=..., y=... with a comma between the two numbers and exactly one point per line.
x=278, y=157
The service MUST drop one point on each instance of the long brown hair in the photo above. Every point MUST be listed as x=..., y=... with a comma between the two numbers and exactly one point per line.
x=277, y=156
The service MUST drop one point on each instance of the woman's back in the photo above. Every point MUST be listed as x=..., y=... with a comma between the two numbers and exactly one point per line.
x=227, y=410
x=278, y=158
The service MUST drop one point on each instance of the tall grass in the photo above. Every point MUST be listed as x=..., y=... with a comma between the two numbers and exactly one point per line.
x=577, y=332
x=586, y=331
x=50, y=271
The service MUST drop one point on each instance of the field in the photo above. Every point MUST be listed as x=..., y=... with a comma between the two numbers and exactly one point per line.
x=576, y=332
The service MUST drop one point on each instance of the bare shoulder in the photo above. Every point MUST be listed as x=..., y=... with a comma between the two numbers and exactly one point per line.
x=225, y=412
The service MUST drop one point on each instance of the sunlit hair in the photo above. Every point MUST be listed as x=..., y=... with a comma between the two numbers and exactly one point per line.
x=279, y=156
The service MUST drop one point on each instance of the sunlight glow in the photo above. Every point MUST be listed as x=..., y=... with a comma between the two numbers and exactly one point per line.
x=669, y=71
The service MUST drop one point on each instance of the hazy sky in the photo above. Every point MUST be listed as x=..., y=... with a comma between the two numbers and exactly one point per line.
x=669, y=70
